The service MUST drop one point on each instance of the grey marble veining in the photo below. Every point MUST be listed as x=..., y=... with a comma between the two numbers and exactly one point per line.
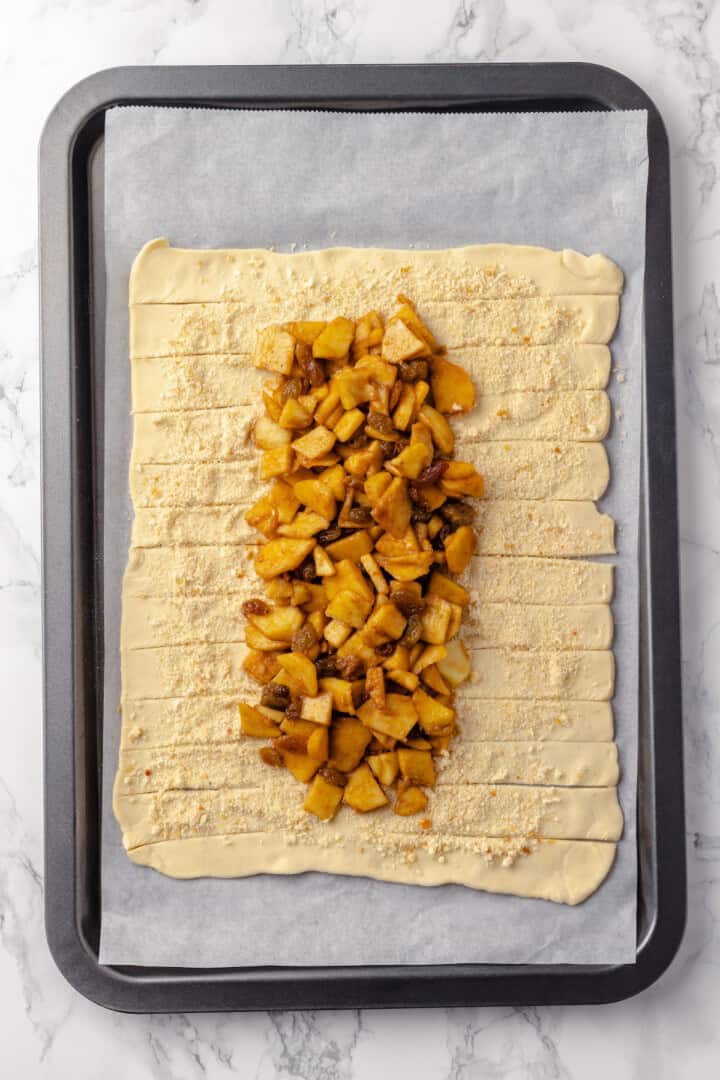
x=672, y=48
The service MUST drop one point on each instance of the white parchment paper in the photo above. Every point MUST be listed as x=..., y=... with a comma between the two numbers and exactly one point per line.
x=313, y=180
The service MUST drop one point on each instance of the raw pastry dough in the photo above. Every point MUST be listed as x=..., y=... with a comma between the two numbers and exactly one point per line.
x=526, y=801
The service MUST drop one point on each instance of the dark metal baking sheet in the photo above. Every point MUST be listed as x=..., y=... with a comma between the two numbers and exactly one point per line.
x=72, y=313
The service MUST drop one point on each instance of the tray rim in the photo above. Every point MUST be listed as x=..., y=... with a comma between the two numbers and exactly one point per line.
x=66, y=491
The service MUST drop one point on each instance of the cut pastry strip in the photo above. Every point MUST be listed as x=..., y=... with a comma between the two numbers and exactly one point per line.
x=568, y=415
x=545, y=627
x=187, y=571
x=526, y=527
x=185, y=721
x=534, y=721
x=565, y=871
x=195, y=435
x=185, y=671
x=181, y=329
x=508, y=673
x=498, y=578
x=201, y=484
x=149, y=622
x=154, y=621
x=165, y=274
x=463, y=810
x=566, y=764
x=498, y=369
x=234, y=764
x=527, y=470
x=539, y=470
x=193, y=525
x=162, y=384
x=504, y=527
x=179, y=721
x=172, y=383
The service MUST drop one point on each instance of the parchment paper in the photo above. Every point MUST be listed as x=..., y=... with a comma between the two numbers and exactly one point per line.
x=314, y=180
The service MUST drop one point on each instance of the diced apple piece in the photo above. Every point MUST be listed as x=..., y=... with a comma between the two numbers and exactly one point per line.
x=417, y=766
x=393, y=509
x=293, y=416
x=411, y=318
x=406, y=679
x=302, y=671
x=274, y=350
x=348, y=424
x=317, y=496
x=407, y=567
x=362, y=791
x=318, y=709
x=373, y=571
x=405, y=407
x=348, y=740
x=315, y=444
x=354, y=387
x=381, y=373
x=348, y=575
x=452, y=387
x=307, y=331
x=335, y=340
x=263, y=516
x=272, y=406
x=280, y=556
x=323, y=798
x=456, y=613
x=255, y=639
x=397, y=718
x=353, y=546
x=305, y=524
x=302, y=766
x=459, y=547
x=385, y=767
x=462, y=478
x=277, y=462
x=400, y=343
x=375, y=486
x=299, y=591
x=439, y=428
x=340, y=691
x=317, y=599
x=369, y=330
x=252, y=722
x=327, y=406
x=261, y=666
x=385, y=624
x=434, y=717
x=336, y=632
x=280, y=623
x=411, y=461
x=432, y=678
x=334, y=478
x=302, y=728
x=324, y=566
x=283, y=499
x=375, y=686
x=268, y=435
x=428, y=655
x=442, y=585
x=455, y=667
x=349, y=607
x=318, y=743
x=435, y=620
x=364, y=461
x=409, y=800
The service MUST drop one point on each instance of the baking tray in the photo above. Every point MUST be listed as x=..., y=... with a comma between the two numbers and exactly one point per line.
x=72, y=315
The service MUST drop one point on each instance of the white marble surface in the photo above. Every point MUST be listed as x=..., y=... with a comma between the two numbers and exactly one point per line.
x=672, y=48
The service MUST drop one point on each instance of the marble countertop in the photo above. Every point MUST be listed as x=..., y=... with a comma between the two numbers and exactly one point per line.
x=672, y=49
